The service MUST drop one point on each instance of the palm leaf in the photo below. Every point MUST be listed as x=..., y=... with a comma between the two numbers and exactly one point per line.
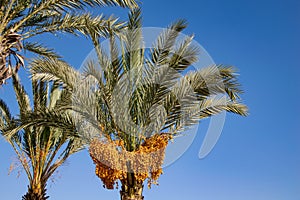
x=21, y=96
x=28, y=18
x=39, y=49
x=49, y=69
x=5, y=116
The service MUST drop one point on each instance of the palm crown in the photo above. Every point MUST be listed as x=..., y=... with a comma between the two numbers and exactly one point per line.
x=40, y=148
x=23, y=19
x=137, y=100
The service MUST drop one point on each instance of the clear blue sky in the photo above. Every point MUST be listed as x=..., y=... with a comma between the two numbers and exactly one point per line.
x=256, y=158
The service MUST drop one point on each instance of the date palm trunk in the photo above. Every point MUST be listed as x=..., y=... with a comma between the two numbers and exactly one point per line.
x=36, y=192
x=132, y=189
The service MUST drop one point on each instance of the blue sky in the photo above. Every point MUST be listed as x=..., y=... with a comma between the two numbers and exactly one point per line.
x=256, y=158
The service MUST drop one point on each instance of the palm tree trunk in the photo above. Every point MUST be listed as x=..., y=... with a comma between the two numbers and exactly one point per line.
x=36, y=194
x=131, y=188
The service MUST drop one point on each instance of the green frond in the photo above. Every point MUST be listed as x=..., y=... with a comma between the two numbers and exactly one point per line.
x=167, y=60
x=132, y=42
x=232, y=86
x=114, y=57
x=49, y=69
x=5, y=116
x=40, y=95
x=85, y=24
x=214, y=105
x=203, y=87
x=135, y=19
x=184, y=55
x=49, y=119
x=42, y=133
x=21, y=95
x=28, y=18
x=55, y=95
x=131, y=4
x=41, y=50
x=214, y=80
x=77, y=4
x=165, y=42
x=94, y=69
x=130, y=96
x=64, y=100
x=181, y=119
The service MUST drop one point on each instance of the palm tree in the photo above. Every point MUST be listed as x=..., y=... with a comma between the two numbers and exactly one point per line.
x=40, y=149
x=23, y=19
x=137, y=101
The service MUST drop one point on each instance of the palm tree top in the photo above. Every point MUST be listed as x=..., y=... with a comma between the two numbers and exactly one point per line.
x=41, y=148
x=140, y=98
x=23, y=19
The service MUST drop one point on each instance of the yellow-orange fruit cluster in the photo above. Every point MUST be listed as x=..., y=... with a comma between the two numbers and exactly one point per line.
x=113, y=161
x=108, y=175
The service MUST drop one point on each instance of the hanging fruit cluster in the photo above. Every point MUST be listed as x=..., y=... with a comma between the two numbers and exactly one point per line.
x=113, y=161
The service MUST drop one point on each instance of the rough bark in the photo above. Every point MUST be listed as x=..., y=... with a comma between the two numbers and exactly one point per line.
x=35, y=195
x=131, y=189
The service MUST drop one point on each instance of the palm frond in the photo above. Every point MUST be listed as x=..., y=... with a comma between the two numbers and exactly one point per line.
x=21, y=95
x=165, y=42
x=184, y=55
x=78, y=4
x=5, y=116
x=213, y=80
x=85, y=24
x=24, y=19
x=131, y=4
x=132, y=41
x=201, y=94
x=55, y=95
x=50, y=119
x=41, y=50
x=40, y=95
x=167, y=60
x=94, y=68
x=49, y=69
x=214, y=105
x=232, y=86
